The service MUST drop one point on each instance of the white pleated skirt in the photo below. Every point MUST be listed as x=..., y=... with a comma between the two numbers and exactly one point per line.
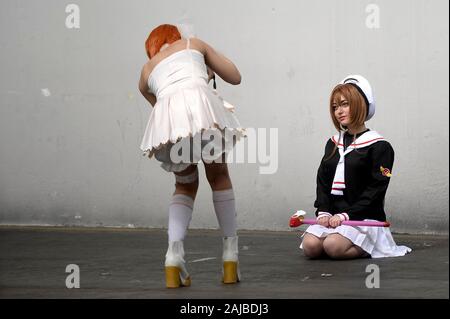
x=376, y=241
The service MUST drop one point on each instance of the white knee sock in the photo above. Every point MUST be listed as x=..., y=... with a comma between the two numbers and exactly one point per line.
x=180, y=214
x=225, y=207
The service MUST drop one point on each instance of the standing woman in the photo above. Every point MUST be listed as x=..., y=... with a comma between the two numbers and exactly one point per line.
x=352, y=181
x=175, y=81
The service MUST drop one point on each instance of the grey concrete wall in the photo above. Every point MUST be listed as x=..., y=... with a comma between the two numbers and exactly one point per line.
x=72, y=119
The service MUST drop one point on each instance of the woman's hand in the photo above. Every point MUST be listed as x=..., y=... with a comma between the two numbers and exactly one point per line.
x=335, y=221
x=210, y=74
x=324, y=221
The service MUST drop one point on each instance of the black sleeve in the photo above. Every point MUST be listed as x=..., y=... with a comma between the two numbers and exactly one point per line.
x=382, y=157
x=322, y=202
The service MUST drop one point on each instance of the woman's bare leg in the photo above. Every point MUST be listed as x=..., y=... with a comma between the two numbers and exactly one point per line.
x=225, y=209
x=339, y=247
x=312, y=246
x=189, y=189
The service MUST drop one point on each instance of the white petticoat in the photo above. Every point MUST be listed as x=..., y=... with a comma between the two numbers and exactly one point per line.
x=205, y=150
x=184, y=113
x=376, y=241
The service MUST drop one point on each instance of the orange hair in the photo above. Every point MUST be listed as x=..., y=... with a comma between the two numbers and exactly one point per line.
x=357, y=104
x=358, y=108
x=165, y=33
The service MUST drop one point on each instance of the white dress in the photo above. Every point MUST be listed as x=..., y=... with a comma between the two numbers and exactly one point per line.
x=185, y=107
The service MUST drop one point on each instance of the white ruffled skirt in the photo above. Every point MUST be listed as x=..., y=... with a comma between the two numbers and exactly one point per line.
x=376, y=241
x=185, y=116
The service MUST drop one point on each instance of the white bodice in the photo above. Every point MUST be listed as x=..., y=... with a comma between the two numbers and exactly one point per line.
x=181, y=69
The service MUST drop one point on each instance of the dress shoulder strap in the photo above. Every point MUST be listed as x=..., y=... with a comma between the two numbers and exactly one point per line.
x=188, y=48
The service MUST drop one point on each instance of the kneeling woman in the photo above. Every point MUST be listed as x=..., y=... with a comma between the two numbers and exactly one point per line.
x=352, y=181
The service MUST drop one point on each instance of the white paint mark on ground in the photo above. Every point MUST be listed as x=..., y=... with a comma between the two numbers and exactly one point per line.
x=202, y=259
x=305, y=278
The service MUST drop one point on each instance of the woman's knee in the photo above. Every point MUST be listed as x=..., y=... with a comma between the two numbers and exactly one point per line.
x=335, y=246
x=218, y=176
x=312, y=246
x=186, y=182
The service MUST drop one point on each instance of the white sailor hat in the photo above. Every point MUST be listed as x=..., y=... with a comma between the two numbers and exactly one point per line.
x=363, y=86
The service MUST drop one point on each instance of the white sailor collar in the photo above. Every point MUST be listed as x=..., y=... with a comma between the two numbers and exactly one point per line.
x=366, y=139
